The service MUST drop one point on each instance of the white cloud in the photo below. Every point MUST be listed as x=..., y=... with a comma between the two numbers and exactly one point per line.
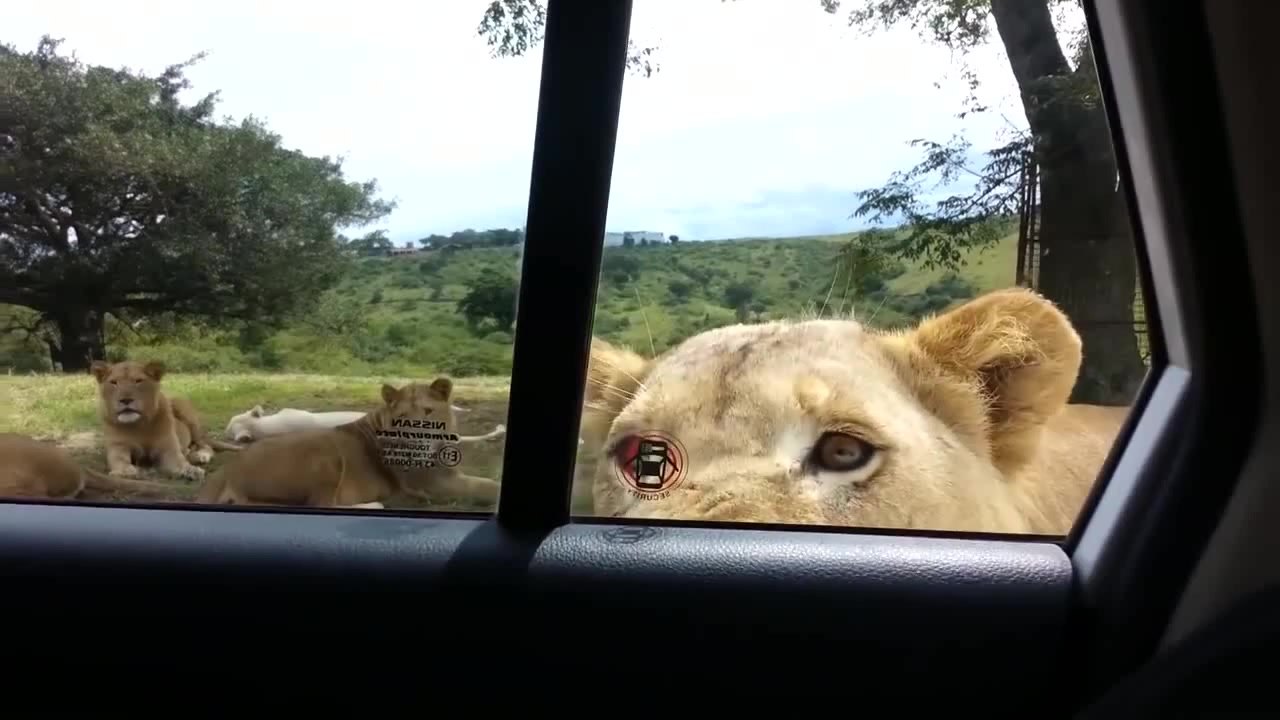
x=764, y=119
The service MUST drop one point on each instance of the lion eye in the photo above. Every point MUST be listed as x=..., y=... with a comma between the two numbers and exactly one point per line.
x=840, y=452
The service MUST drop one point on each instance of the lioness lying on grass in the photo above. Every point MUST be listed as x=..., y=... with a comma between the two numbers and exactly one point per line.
x=356, y=464
x=30, y=468
x=142, y=425
x=960, y=423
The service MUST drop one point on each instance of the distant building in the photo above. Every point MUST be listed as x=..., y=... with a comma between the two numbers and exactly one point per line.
x=615, y=239
x=408, y=249
x=612, y=239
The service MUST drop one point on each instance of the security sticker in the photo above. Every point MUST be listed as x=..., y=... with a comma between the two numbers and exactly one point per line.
x=414, y=443
x=651, y=464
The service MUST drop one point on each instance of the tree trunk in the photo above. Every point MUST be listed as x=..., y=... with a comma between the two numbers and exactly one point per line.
x=1088, y=265
x=81, y=339
x=1089, y=269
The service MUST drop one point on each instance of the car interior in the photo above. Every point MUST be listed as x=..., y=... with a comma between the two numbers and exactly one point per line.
x=1161, y=602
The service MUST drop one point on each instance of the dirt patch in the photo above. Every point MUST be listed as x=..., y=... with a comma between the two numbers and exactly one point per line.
x=79, y=441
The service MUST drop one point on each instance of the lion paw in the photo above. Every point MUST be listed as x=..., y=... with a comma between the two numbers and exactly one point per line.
x=191, y=472
x=126, y=471
x=201, y=456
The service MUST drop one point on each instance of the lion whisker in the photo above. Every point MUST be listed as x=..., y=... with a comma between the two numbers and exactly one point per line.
x=621, y=370
x=653, y=351
x=616, y=391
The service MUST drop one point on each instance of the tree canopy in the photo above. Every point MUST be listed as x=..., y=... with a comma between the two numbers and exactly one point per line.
x=1087, y=256
x=117, y=199
x=514, y=27
x=492, y=296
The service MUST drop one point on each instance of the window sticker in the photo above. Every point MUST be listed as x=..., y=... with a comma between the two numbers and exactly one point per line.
x=419, y=444
x=651, y=464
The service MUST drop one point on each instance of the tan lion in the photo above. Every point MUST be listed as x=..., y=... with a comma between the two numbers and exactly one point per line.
x=30, y=468
x=960, y=423
x=359, y=464
x=145, y=426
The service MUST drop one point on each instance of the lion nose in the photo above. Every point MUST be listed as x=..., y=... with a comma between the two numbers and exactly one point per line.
x=126, y=401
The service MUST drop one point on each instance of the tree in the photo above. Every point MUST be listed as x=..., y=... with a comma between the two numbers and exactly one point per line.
x=738, y=296
x=117, y=200
x=336, y=315
x=621, y=267
x=861, y=264
x=513, y=27
x=470, y=238
x=1089, y=266
x=374, y=243
x=492, y=296
x=680, y=289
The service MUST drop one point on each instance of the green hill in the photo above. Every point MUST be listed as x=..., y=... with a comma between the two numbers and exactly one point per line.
x=399, y=316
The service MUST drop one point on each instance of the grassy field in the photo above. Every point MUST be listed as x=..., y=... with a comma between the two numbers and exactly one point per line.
x=62, y=410
x=399, y=316
x=392, y=319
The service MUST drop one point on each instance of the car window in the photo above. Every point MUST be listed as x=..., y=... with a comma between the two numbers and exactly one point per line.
x=868, y=264
x=255, y=256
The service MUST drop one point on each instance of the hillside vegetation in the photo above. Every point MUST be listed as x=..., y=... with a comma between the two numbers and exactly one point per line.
x=392, y=319
x=401, y=316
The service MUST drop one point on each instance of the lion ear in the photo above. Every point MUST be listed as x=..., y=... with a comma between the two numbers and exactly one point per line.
x=99, y=370
x=154, y=370
x=613, y=376
x=1018, y=352
x=257, y=411
x=390, y=393
x=441, y=388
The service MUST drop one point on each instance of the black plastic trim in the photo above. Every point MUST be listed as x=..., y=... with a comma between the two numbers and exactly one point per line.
x=1159, y=353
x=583, y=67
x=879, y=612
x=1214, y=672
x=1134, y=560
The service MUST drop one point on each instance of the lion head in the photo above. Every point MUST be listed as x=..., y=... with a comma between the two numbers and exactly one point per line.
x=129, y=391
x=240, y=427
x=829, y=422
x=417, y=401
x=411, y=425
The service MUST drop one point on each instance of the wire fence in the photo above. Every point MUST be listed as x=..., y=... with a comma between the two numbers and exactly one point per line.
x=1030, y=252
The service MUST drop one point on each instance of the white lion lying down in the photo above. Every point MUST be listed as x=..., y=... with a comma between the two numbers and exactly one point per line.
x=256, y=424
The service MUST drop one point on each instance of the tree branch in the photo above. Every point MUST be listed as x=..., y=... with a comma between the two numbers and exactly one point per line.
x=1031, y=43
x=53, y=233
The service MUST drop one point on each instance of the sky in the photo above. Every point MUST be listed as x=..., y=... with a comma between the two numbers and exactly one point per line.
x=765, y=118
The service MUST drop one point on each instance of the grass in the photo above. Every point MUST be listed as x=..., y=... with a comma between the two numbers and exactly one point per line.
x=392, y=319
x=62, y=409
x=401, y=322
x=399, y=316
x=986, y=269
